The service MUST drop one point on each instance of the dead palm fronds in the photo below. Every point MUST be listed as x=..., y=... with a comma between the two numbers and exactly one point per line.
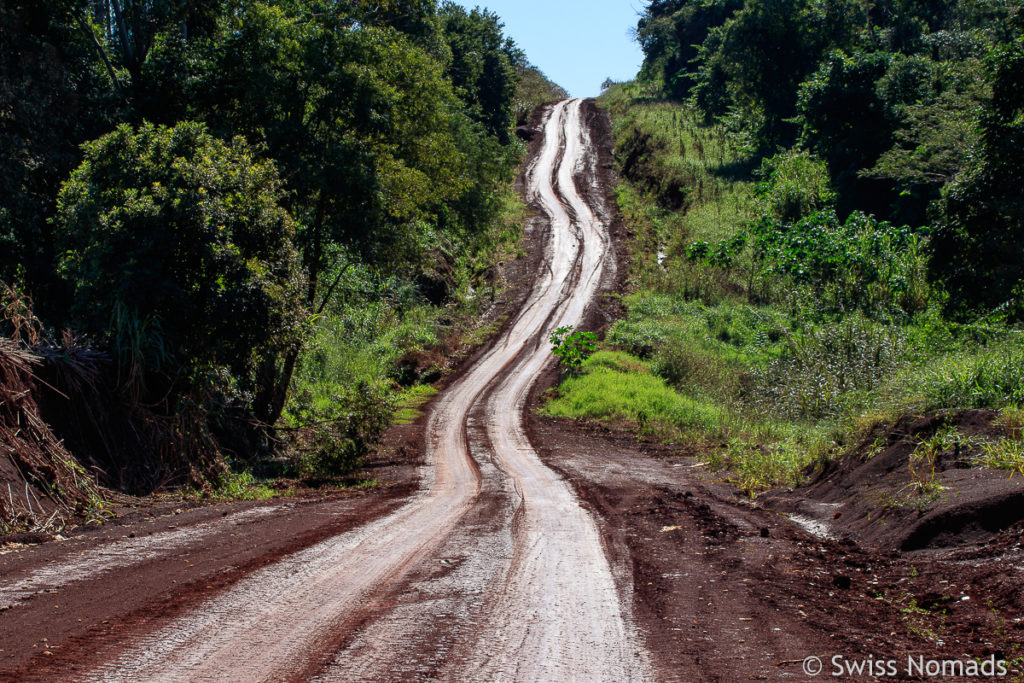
x=45, y=485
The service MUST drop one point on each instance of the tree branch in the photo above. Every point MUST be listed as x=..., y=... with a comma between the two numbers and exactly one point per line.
x=330, y=290
x=119, y=16
x=103, y=53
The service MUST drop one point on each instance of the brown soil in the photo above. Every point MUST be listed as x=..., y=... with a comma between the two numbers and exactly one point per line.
x=59, y=628
x=885, y=493
x=726, y=590
x=722, y=588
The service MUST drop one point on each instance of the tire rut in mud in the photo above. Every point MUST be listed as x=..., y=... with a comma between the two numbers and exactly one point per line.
x=421, y=591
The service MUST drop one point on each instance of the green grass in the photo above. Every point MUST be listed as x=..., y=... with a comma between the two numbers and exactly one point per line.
x=977, y=376
x=1003, y=454
x=766, y=387
x=238, y=486
x=409, y=403
x=618, y=387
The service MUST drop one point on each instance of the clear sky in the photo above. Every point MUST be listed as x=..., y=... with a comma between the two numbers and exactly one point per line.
x=576, y=43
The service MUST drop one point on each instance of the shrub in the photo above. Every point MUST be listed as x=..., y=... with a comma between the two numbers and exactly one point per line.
x=179, y=253
x=572, y=348
x=858, y=264
x=334, y=441
x=796, y=184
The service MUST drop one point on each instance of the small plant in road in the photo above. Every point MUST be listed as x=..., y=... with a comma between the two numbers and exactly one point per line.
x=572, y=348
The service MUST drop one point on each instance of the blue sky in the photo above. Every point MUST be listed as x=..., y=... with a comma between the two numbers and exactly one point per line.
x=576, y=43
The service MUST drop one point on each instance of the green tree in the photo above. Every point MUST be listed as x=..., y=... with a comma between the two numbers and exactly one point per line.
x=54, y=95
x=979, y=248
x=179, y=253
x=376, y=151
x=670, y=32
x=482, y=67
x=843, y=117
x=755, y=61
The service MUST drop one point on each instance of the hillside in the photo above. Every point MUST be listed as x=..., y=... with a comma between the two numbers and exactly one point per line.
x=235, y=238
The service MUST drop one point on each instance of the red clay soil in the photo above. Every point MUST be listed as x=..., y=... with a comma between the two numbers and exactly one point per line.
x=722, y=588
x=886, y=494
x=725, y=589
x=58, y=627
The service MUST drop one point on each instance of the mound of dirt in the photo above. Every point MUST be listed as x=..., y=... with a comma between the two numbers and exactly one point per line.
x=914, y=485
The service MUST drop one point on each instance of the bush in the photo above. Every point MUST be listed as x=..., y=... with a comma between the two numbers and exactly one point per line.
x=824, y=372
x=179, y=253
x=858, y=264
x=603, y=392
x=572, y=348
x=796, y=184
x=334, y=442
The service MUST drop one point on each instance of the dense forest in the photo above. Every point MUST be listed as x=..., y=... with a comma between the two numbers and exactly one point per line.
x=913, y=107
x=828, y=206
x=224, y=223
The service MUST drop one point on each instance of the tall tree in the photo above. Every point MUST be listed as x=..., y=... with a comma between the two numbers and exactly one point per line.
x=755, y=61
x=670, y=32
x=359, y=119
x=54, y=95
x=482, y=66
x=979, y=247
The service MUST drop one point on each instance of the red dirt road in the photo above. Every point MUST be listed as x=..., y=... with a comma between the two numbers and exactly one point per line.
x=546, y=606
x=509, y=547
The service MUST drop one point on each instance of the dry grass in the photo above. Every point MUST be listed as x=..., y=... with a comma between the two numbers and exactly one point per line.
x=45, y=485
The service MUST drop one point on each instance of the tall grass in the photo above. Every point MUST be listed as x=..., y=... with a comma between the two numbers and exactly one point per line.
x=770, y=382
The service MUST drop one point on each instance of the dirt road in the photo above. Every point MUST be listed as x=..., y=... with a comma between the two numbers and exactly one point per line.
x=492, y=569
x=508, y=546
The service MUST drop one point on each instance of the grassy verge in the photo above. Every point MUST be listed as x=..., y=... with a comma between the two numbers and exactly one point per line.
x=371, y=359
x=761, y=328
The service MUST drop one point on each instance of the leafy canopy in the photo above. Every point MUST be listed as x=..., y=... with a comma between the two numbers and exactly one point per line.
x=178, y=250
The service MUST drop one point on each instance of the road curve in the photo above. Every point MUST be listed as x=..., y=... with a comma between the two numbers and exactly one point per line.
x=548, y=609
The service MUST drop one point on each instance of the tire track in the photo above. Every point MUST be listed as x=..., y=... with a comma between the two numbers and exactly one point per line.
x=559, y=615
x=555, y=613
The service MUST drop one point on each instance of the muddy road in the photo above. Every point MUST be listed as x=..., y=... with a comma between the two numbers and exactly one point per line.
x=507, y=546
x=491, y=570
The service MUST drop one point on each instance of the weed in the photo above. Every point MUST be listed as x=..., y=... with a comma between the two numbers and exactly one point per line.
x=826, y=372
x=236, y=486
x=1011, y=418
x=918, y=619
x=987, y=376
x=1002, y=454
x=572, y=347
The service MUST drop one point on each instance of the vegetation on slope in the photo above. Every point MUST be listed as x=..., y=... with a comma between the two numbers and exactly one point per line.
x=804, y=262
x=256, y=211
